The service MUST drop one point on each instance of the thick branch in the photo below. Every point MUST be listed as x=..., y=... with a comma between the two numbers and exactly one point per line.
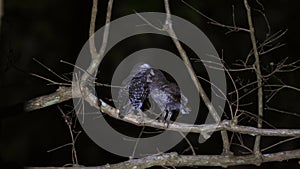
x=204, y=128
x=60, y=95
x=65, y=93
x=93, y=49
x=175, y=160
x=169, y=28
x=97, y=56
x=258, y=77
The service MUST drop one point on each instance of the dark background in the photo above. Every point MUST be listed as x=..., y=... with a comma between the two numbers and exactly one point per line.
x=51, y=31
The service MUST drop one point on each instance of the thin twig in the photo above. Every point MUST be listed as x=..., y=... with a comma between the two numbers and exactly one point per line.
x=214, y=22
x=51, y=81
x=68, y=63
x=137, y=142
x=51, y=71
x=189, y=143
x=68, y=121
x=280, y=142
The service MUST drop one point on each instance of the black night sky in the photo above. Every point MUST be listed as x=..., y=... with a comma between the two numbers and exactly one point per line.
x=50, y=31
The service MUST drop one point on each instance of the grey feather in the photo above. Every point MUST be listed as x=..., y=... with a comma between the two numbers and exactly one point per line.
x=144, y=81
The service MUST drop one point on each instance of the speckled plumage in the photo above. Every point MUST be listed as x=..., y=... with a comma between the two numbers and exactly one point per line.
x=145, y=81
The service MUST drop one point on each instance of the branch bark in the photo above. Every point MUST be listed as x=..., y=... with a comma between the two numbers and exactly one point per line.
x=60, y=95
x=65, y=93
x=256, y=147
x=97, y=56
x=169, y=28
x=175, y=160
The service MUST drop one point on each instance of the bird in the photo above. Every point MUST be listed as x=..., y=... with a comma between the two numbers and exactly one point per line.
x=145, y=82
x=134, y=90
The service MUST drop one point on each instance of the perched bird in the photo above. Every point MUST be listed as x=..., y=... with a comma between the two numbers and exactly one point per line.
x=134, y=90
x=166, y=95
x=144, y=81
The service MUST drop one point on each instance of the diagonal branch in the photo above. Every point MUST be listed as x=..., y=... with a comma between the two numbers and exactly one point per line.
x=258, y=77
x=169, y=28
x=60, y=95
x=175, y=160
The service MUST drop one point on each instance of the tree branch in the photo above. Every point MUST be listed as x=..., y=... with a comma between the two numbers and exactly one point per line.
x=65, y=93
x=256, y=147
x=60, y=95
x=93, y=49
x=204, y=128
x=175, y=160
x=169, y=28
x=97, y=56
